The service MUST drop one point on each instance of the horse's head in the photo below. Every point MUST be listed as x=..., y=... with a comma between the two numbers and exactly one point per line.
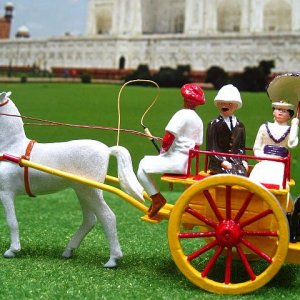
x=4, y=98
x=11, y=129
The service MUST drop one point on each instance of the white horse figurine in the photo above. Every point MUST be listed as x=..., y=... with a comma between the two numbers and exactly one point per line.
x=86, y=158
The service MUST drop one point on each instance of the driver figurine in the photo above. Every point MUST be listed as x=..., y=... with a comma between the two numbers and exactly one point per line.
x=227, y=134
x=183, y=132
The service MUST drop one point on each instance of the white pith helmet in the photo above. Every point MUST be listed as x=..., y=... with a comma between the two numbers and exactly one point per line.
x=229, y=93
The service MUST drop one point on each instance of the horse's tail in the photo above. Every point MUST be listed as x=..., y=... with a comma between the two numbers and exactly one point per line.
x=127, y=178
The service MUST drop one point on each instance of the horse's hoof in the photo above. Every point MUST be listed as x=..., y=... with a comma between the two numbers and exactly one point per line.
x=9, y=254
x=112, y=263
x=68, y=253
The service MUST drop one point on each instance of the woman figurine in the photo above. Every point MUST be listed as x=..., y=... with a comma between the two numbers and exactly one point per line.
x=273, y=140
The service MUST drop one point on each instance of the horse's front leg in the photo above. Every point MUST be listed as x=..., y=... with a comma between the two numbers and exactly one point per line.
x=11, y=219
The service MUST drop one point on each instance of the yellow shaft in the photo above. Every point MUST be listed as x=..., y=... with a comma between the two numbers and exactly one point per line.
x=88, y=182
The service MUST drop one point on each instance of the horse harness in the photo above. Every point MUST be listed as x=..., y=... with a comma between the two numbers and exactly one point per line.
x=26, y=169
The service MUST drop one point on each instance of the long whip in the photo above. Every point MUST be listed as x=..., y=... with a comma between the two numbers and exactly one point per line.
x=146, y=129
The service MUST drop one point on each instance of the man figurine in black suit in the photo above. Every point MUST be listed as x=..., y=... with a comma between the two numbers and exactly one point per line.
x=227, y=134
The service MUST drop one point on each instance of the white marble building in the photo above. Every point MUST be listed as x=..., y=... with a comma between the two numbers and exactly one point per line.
x=125, y=33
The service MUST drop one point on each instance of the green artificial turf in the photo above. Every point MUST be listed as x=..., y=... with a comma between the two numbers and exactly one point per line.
x=47, y=222
x=145, y=272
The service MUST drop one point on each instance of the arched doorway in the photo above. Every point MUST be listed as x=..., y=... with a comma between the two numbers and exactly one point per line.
x=229, y=16
x=277, y=16
x=122, y=62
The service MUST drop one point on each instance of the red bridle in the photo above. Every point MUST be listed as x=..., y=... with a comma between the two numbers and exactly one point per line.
x=4, y=103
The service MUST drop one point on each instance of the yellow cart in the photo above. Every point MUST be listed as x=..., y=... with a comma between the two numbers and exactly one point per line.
x=226, y=233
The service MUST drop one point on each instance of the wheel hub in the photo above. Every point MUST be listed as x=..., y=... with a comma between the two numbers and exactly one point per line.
x=228, y=233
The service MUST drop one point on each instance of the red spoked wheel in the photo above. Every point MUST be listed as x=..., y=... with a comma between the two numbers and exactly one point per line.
x=228, y=235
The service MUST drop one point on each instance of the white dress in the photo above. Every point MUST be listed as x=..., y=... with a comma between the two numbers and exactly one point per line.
x=270, y=172
x=187, y=127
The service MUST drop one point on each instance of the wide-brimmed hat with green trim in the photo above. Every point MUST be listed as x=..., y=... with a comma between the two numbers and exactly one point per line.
x=286, y=88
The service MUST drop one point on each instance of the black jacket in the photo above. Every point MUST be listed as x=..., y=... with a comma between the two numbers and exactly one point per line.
x=220, y=138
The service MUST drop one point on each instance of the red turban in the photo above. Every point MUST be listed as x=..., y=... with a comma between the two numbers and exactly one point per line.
x=193, y=94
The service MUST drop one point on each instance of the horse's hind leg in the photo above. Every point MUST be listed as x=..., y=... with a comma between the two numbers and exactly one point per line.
x=88, y=222
x=11, y=219
x=108, y=220
x=92, y=202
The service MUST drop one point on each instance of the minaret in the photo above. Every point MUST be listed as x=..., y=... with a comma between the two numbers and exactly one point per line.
x=9, y=7
x=5, y=22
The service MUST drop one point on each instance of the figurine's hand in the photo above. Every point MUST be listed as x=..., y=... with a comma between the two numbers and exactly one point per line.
x=293, y=138
x=295, y=122
x=162, y=151
x=226, y=165
x=245, y=164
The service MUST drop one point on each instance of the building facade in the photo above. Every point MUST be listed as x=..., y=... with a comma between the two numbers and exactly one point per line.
x=188, y=17
x=231, y=34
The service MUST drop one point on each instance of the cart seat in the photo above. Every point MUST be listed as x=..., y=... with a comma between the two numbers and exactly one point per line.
x=183, y=178
x=271, y=186
x=179, y=176
x=190, y=179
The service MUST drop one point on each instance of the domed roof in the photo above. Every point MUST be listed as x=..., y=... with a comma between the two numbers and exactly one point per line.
x=22, y=31
x=23, y=28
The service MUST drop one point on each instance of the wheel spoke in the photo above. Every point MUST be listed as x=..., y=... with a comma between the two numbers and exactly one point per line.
x=228, y=266
x=246, y=263
x=256, y=250
x=212, y=261
x=244, y=207
x=201, y=250
x=201, y=217
x=256, y=218
x=213, y=205
x=188, y=235
x=228, y=202
x=260, y=233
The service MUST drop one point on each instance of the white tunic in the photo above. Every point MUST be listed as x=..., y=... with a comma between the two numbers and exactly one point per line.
x=187, y=127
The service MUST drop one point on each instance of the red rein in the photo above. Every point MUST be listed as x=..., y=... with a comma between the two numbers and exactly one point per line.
x=53, y=123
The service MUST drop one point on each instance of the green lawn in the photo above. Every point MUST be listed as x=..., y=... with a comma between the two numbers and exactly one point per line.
x=47, y=222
